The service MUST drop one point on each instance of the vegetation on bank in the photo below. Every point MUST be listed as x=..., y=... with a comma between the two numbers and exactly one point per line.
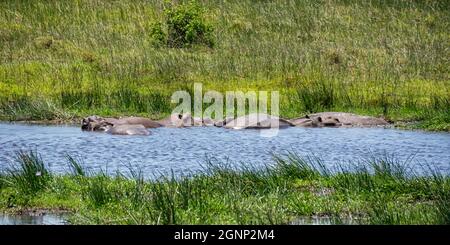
x=65, y=59
x=294, y=189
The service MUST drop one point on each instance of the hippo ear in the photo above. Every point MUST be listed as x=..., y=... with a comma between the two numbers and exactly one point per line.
x=319, y=119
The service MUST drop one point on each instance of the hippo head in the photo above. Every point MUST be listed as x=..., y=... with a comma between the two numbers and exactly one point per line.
x=87, y=122
x=187, y=120
x=95, y=123
x=182, y=120
x=318, y=121
x=329, y=121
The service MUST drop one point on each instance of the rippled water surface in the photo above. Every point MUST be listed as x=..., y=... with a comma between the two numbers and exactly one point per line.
x=46, y=219
x=184, y=150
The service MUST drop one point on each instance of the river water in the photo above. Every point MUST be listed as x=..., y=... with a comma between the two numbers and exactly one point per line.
x=183, y=150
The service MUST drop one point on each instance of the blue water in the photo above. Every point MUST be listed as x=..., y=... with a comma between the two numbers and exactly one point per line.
x=183, y=150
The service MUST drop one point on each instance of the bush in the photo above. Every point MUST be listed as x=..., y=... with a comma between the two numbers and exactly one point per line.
x=185, y=26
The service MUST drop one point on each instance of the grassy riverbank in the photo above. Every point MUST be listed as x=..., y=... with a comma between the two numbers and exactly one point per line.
x=65, y=59
x=377, y=191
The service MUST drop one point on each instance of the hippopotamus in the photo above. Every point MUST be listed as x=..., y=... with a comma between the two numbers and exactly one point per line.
x=337, y=119
x=223, y=122
x=185, y=120
x=318, y=121
x=178, y=120
x=128, y=129
x=96, y=123
x=208, y=122
x=146, y=122
x=257, y=121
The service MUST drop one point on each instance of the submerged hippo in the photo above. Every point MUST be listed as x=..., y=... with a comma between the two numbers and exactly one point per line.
x=185, y=120
x=337, y=119
x=257, y=121
x=96, y=123
x=223, y=122
x=318, y=121
x=128, y=129
x=178, y=120
x=146, y=122
x=208, y=122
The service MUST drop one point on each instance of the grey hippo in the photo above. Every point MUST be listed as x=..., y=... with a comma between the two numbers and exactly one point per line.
x=128, y=129
x=139, y=125
x=179, y=120
x=337, y=119
x=223, y=122
x=96, y=123
x=121, y=126
x=256, y=121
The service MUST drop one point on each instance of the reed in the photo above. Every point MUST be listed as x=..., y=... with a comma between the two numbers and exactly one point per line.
x=293, y=187
x=30, y=174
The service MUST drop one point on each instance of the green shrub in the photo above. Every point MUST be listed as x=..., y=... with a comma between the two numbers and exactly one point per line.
x=186, y=26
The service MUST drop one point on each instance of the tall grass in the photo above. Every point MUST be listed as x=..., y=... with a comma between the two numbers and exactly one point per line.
x=27, y=108
x=383, y=191
x=320, y=96
x=97, y=191
x=439, y=189
x=76, y=167
x=295, y=166
x=30, y=174
x=2, y=180
x=375, y=57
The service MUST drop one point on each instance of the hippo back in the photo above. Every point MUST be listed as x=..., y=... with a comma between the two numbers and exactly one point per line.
x=258, y=121
x=127, y=129
x=147, y=123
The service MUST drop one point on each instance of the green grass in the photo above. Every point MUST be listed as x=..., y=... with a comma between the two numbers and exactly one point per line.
x=31, y=176
x=292, y=189
x=65, y=59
